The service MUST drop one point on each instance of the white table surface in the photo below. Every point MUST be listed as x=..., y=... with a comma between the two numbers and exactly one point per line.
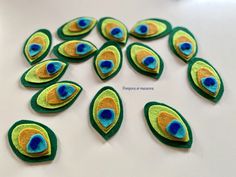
x=133, y=151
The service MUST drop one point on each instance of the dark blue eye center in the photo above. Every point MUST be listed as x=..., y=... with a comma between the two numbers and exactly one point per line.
x=35, y=142
x=62, y=90
x=174, y=127
x=149, y=60
x=35, y=47
x=209, y=81
x=106, y=114
x=143, y=28
x=82, y=22
x=106, y=64
x=51, y=68
x=115, y=31
x=186, y=46
x=80, y=47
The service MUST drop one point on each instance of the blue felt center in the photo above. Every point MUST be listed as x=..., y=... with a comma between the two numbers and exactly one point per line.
x=210, y=83
x=141, y=29
x=186, y=48
x=176, y=129
x=36, y=144
x=83, y=49
x=117, y=32
x=83, y=23
x=106, y=116
x=64, y=91
x=150, y=62
x=106, y=66
x=34, y=49
x=53, y=67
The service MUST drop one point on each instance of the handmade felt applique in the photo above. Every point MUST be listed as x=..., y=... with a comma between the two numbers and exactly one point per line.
x=108, y=60
x=112, y=29
x=56, y=97
x=150, y=29
x=37, y=46
x=144, y=60
x=77, y=28
x=32, y=141
x=106, y=112
x=168, y=125
x=44, y=74
x=183, y=43
x=204, y=78
x=75, y=50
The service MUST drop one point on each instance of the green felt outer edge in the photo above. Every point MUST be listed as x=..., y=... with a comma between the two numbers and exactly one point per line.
x=77, y=37
x=109, y=43
x=163, y=34
x=99, y=27
x=40, y=109
x=40, y=85
x=177, y=144
x=153, y=75
x=116, y=127
x=197, y=89
x=48, y=33
x=172, y=46
x=52, y=137
x=73, y=60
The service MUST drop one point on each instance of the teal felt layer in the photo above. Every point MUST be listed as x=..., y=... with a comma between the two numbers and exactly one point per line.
x=41, y=85
x=177, y=144
x=163, y=34
x=45, y=31
x=109, y=43
x=114, y=130
x=99, y=27
x=77, y=37
x=197, y=89
x=153, y=75
x=172, y=46
x=40, y=109
x=52, y=137
x=73, y=60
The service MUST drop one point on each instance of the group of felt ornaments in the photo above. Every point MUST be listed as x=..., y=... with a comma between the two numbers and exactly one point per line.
x=35, y=142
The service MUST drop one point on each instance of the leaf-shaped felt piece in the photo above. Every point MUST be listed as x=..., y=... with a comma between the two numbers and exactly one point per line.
x=32, y=141
x=75, y=50
x=44, y=74
x=113, y=30
x=183, y=43
x=37, y=46
x=149, y=29
x=205, y=79
x=145, y=60
x=56, y=97
x=106, y=112
x=77, y=28
x=168, y=125
x=108, y=60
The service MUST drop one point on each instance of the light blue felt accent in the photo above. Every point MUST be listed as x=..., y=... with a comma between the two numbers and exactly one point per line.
x=36, y=144
x=176, y=129
x=83, y=23
x=211, y=86
x=106, y=116
x=53, y=67
x=150, y=62
x=186, y=48
x=64, y=91
x=117, y=32
x=34, y=49
x=141, y=29
x=106, y=66
x=83, y=48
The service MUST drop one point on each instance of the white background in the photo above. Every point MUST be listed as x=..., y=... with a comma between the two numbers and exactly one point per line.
x=133, y=151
